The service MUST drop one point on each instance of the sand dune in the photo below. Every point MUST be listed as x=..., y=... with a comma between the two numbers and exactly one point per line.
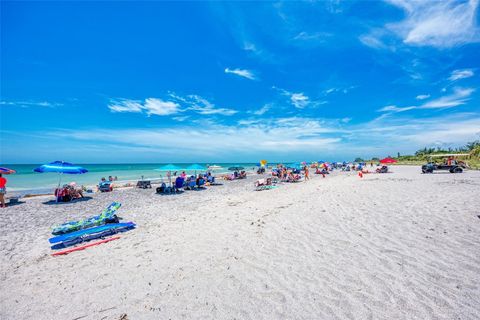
x=389, y=246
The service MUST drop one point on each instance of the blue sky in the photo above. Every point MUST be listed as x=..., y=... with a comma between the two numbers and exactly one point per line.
x=230, y=82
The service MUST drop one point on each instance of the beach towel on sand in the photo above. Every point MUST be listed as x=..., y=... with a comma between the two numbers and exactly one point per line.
x=107, y=215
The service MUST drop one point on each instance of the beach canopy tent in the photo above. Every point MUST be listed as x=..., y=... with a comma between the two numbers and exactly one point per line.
x=388, y=160
x=235, y=168
x=60, y=167
x=7, y=171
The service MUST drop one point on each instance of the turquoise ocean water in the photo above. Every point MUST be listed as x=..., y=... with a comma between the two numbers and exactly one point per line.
x=27, y=180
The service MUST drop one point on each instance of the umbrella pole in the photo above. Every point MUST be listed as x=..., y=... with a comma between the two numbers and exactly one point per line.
x=58, y=187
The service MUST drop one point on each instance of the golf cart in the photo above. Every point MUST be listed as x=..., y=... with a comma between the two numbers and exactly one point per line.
x=449, y=163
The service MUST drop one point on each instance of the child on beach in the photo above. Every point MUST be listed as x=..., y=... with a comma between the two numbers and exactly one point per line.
x=3, y=190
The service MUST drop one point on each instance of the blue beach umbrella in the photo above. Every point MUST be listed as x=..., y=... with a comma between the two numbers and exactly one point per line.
x=195, y=167
x=61, y=167
x=169, y=167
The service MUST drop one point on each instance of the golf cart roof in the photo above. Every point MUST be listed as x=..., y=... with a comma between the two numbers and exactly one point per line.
x=450, y=155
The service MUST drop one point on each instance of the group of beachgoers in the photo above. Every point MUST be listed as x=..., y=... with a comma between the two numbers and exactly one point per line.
x=175, y=184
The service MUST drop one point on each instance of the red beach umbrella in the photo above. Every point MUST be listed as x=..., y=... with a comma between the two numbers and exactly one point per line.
x=388, y=160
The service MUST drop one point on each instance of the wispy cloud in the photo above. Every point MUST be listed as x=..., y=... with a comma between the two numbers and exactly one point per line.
x=437, y=23
x=174, y=105
x=263, y=109
x=242, y=73
x=284, y=138
x=440, y=24
x=205, y=107
x=150, y=106
x=423, y=96
x=459, y=97
x=314, y=36
x=298, y=100
x=29, y=103
x=461, y=74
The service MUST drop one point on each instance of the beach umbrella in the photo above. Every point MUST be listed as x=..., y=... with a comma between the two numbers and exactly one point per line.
x=388, y=160
x=236, y=168
x=195, y=167
x=169, y=167
x=60, y=167
x=263, y=163
x=7, y=170
x=294, y=166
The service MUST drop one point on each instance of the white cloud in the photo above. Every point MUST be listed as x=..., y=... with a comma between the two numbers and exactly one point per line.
x=160, y=107
x=459, y=97
x=317, y=36
x=176, y=104
x=263, y=109
x=393, y=108
x=440, y=24
x=126, y=106
x=461, y=74
x=280, y=135
x=203, y=106
x=299, y=100
x=30, y=104
x=242, y=73
x=279, y=138
x=150, y=106
x=423, y=96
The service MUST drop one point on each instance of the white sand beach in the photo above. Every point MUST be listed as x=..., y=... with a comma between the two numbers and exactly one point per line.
x=400, y=245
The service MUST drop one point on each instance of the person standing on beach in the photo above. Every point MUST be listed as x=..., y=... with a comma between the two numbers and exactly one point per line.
x=3, y=190
x=307, y=173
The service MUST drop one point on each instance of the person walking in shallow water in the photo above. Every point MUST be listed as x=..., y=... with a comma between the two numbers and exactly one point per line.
x=3, y=190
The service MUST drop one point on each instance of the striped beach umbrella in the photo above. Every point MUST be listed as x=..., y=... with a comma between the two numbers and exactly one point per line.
x=7, y=170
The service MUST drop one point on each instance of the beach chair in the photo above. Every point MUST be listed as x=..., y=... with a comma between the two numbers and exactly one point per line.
x=107, y=216
x=201, y=183
x=179, y=184
x=190, y=184
x=105, y=186
x=144, y=184
x=383, y=169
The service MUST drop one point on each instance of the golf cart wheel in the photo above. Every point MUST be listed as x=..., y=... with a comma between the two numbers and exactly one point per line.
x=457, y=170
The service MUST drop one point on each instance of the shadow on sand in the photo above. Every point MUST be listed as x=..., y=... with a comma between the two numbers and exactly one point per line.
x=50, y=202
